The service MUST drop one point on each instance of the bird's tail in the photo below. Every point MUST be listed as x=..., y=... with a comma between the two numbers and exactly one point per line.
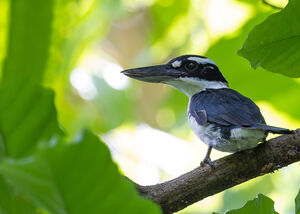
x=272, y=129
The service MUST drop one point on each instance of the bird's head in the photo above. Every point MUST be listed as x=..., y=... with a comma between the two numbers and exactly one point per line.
x=189, y=74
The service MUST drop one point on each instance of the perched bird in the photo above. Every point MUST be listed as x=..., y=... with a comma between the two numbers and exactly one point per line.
x=221, y=117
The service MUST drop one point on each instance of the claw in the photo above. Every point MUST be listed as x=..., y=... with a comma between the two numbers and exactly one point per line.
x=207, y=161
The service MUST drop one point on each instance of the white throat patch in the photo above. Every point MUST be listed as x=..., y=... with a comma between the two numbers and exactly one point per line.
x=191, y=86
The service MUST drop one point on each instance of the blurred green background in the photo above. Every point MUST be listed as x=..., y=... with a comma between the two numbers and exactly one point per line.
x=145, y=125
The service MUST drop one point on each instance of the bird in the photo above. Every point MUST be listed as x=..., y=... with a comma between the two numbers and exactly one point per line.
x=221, y=117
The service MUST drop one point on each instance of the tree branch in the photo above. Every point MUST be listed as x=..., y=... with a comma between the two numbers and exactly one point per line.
x=176, y=194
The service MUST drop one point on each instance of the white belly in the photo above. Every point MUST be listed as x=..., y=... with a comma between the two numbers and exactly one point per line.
x=239, y=139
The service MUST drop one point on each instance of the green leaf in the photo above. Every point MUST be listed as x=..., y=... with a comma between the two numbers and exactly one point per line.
x=78, y=177
x=27, y=112
x=27, y=116
x=29, y=40
x=275, y=43
x=297, y=202
x=11, y=203
x=259, y=205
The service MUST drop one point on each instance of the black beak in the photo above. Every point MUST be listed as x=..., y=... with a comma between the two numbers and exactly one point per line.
x=157, y=73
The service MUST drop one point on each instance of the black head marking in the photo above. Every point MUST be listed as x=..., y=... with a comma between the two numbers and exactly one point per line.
x=198, y=67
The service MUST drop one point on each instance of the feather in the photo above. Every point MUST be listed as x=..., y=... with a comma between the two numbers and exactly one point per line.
x=225, y=107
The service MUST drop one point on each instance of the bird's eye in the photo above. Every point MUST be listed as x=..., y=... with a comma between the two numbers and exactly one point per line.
x=191, y=66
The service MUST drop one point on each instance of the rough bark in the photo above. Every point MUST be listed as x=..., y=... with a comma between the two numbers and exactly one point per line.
x=178, y=193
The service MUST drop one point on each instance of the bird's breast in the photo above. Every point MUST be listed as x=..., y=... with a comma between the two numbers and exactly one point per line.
x=226, y=139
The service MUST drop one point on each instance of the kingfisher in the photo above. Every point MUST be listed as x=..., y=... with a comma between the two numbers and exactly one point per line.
x=221, y=117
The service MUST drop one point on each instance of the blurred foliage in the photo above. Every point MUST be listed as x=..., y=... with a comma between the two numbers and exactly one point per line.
x=39, y=171
x=253, y=84
x=107, y=98
x=12, y=203
x=259, y=205
x=43, y=42
x=236, y=198
x=76, y=24
x=61, y=179
x=276, y=48
x=165, y=14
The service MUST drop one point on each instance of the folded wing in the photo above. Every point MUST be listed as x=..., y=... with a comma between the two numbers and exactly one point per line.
x=225, y=107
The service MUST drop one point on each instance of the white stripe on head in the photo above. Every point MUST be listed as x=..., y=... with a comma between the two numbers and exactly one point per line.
x=176, y=64
x=202, y=61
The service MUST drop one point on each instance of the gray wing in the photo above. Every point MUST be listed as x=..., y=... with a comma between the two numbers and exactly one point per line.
x=225, y=107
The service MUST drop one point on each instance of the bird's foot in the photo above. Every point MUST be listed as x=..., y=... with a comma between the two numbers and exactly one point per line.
x=208, y=161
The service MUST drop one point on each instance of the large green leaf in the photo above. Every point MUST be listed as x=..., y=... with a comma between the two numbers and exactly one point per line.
x=27, y=116
x=29, y=39
x=297, y=201
x=259, y=205
x=275, y=43
x=27, y=112
x=79, y=177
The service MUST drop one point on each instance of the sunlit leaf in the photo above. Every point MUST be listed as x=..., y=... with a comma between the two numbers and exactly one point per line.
x=29, y=37
x=4, y=9
x=27, y=112
x=275, y=43
x=259, y=205
x=79, y=177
